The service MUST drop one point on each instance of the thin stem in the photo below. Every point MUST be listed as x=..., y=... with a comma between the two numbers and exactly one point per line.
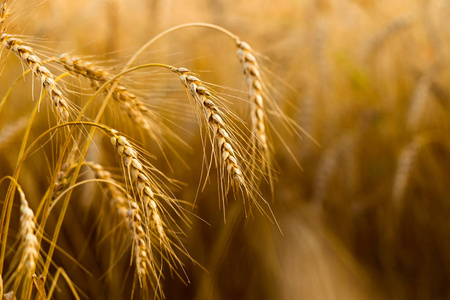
x=172, y=29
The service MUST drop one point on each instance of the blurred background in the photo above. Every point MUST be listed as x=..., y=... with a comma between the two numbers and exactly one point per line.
x=366, y=216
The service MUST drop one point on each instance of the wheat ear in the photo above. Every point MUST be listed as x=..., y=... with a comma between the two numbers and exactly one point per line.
x=135, y=108
x=29, y=57
x=29, y=241
x=137, y=176
x=128, y=211
x=227, y=149
x=254, y=82
x=144, y=186
x=213, y=118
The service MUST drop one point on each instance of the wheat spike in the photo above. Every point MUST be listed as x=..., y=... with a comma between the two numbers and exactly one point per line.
x=29, y=57
x=127, y=210
x=145, y=187
x=254, y=82
x=130, y=103
x=29, y=240
x=216, y=124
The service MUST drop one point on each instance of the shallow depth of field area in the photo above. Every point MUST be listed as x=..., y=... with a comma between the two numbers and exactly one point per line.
x=290, y=149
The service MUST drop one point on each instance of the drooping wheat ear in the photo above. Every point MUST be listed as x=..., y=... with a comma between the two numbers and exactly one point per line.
x=138, y=177
x=147, y=191
x=128, y=211
x=29, y=57
x=130, y=103
x=213, y=117
x=254, y=82
x=29, y=241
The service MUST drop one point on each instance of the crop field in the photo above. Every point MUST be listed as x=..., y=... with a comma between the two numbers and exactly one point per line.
x=213, y=149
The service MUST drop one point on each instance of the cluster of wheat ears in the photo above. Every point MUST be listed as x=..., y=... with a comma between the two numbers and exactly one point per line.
x=140, y=197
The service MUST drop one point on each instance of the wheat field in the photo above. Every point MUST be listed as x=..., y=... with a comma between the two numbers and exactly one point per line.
x=291, y=149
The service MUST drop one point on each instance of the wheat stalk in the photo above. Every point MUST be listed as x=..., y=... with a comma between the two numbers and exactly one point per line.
x=251, y=69
x=144, y=203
